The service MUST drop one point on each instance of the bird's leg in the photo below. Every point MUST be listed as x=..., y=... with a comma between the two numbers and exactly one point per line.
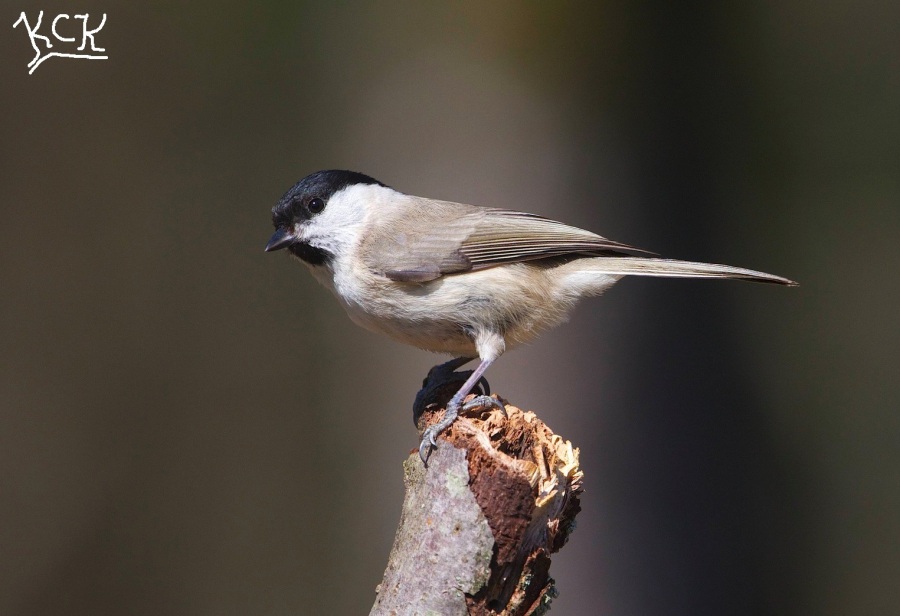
x=455, y=405
x=440, y=379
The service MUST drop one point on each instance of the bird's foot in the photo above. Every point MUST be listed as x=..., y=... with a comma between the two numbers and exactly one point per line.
x=477, y=404
x=442, y=382
x=480, y=404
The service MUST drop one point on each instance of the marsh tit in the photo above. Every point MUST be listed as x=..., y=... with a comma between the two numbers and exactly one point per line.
x=453, y=278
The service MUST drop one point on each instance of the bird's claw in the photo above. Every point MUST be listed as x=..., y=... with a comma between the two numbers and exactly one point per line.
x=482, y=403
x=475, y=405
x=428, y=443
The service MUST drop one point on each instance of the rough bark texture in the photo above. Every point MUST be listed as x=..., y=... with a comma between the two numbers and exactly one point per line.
x=479, y=523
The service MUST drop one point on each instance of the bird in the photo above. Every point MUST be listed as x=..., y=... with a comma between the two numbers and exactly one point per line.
x=464, y=280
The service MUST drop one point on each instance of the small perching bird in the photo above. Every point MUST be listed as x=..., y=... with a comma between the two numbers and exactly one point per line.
x=453, y=278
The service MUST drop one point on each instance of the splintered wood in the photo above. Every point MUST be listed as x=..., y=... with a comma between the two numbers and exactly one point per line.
x=499, y=496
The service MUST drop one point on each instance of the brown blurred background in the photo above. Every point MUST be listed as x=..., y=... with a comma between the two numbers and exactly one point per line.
x=191, y=426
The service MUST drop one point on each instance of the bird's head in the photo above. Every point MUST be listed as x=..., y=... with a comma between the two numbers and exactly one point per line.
x=322, y=214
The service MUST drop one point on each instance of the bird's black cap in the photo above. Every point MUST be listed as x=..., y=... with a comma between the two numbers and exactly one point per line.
x=321, y=184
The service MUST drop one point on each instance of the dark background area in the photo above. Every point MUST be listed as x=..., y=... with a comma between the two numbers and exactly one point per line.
x=191, y=426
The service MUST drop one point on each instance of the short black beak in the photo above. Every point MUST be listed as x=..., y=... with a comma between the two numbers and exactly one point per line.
x=282, y=238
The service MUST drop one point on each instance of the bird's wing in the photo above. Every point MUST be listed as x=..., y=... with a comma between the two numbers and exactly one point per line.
x=434, y=238
x=507, y=236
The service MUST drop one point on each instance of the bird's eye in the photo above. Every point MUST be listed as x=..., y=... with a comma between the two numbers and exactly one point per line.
x=316, y=205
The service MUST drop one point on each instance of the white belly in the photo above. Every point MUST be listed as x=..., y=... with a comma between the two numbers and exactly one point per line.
x=448, y=314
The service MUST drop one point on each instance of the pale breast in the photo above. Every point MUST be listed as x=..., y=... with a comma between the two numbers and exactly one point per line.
x=444, y=315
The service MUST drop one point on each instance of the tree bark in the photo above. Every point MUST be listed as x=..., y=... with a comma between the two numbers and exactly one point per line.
x=498, y=496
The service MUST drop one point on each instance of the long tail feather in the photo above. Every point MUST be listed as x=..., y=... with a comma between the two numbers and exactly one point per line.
x=643, y=266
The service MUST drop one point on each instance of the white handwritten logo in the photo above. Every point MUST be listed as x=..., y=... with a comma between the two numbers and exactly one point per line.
x=85, y=35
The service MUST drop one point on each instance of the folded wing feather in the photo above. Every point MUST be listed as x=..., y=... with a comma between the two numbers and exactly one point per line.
x=435, y=238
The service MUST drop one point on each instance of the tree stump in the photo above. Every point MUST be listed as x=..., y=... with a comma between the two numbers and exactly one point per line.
x=498, y=496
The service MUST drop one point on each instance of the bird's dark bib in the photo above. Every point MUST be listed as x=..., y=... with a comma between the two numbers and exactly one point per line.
x=311, y=254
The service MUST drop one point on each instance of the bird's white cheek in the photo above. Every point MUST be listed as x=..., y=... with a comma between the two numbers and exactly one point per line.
x=301, y=232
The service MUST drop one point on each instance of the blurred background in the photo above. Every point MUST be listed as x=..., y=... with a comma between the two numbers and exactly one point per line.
x=191, y=426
